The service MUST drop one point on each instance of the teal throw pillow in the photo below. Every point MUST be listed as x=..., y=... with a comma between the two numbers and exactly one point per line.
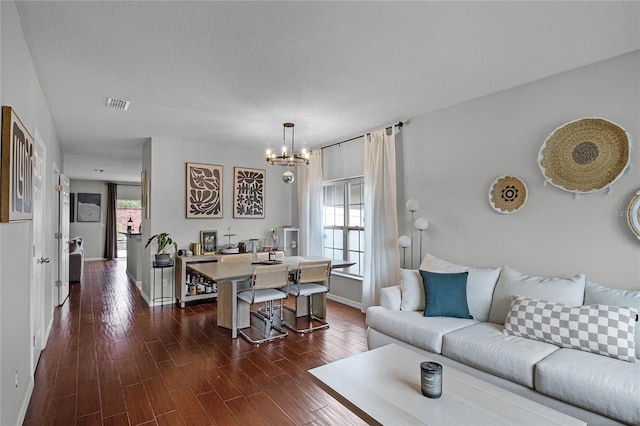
x=446, y=294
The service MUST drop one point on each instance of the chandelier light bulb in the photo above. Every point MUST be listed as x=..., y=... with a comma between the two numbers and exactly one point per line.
x=413, y=205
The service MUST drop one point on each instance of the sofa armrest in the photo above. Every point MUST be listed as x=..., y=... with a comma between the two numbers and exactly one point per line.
x=391, y=297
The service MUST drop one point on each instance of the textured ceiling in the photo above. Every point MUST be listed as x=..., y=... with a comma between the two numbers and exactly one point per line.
x=233, y=72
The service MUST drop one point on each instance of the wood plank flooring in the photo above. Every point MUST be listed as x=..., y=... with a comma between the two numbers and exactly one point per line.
x=113, y=360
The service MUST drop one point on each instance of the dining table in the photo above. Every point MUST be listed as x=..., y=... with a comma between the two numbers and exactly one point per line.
x=230, y=275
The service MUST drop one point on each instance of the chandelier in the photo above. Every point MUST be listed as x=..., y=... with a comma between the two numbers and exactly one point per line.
x=286, y=157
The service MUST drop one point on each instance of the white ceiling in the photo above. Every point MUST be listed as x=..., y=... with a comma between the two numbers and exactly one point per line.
x=233, y=72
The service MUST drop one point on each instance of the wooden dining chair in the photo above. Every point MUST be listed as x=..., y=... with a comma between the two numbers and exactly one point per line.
x=268, y=284
x=311, y=279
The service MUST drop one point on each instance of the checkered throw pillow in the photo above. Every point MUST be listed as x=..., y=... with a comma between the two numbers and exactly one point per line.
x=601, y=329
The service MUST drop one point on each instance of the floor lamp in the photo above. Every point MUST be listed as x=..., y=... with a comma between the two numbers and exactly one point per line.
x=412, y=205
x=421, y=224
x=404, y=242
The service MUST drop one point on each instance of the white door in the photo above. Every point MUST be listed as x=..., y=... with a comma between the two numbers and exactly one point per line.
x=39, y=261
x=63, y=239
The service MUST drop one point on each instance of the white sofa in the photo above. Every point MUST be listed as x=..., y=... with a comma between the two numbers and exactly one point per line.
x=596, y=388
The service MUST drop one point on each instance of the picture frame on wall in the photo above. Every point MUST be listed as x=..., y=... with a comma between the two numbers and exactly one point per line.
x=72, y=206
x=144, y=194
x=89, y=209
x=249, y=193
x=204, y=191
x=16, y=170
x=209, y=241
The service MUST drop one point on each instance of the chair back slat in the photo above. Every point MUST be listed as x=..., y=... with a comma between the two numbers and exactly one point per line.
x=270, y=276
x=314, y=271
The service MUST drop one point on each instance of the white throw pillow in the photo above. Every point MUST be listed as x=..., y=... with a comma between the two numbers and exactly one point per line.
x=597, y=294
x=412, y=290
x=480, y=283
x=569, y=291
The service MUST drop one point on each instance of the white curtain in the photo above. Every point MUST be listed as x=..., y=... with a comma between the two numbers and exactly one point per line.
x=310, y=206
x=381, y=253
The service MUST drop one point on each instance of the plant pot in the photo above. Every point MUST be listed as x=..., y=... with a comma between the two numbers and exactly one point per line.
x=163, y=259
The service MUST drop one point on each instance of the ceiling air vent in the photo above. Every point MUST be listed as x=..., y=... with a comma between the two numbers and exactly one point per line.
x=119, y=104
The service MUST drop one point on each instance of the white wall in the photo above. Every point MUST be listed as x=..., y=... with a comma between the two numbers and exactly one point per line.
x=20, y=88
x=92, y=233
x=166, y=160
x=452, y=156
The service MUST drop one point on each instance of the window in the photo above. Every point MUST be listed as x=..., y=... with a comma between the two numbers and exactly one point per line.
x=343, y=222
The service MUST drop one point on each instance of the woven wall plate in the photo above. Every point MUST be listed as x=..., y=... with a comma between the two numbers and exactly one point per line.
x=507, y=194
x=585, y=155
x=633, y=215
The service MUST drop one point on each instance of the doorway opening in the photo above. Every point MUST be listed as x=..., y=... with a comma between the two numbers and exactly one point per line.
x=128, y=213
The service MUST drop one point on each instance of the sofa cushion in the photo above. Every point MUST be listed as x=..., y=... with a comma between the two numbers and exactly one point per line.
x=486, y=348
x=600, y=329
x=480, y=283
x=597, y=294
x=412, y=290
x=597, y=383
x=413, y=328
x=569, y=291
x=446, y=294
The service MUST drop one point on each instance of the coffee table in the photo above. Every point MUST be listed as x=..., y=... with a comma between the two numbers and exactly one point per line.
x=383, y=386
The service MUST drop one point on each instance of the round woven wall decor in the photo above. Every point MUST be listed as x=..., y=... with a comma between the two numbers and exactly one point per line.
x=507, y=194
x=633, y=215
x=585, y=155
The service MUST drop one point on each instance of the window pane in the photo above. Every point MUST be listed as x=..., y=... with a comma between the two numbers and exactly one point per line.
x=337, y=239
x=337, y=254
x=328, y=237
x=354, y=240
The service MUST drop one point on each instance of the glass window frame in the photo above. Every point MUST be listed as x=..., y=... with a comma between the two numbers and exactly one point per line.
x=347, y=225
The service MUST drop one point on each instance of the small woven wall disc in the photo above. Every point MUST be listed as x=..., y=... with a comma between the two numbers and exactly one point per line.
x=585, y=155
x=633, y=215
x=507, y=194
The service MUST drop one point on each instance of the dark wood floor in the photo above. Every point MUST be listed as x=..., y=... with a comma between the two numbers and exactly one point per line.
x=112, y=360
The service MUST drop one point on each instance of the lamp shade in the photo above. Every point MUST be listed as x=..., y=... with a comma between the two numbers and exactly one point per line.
x=413, y=205
x=404, y=241
x=421, y=223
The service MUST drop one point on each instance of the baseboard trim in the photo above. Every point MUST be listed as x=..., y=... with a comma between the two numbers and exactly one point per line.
x=344, y=301
x=25, y=402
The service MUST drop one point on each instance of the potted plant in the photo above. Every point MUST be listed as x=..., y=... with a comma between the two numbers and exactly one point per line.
x=164, y=241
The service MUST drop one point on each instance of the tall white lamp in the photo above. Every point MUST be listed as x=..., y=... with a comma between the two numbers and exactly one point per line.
x=421, y=225
x=404, y=242
x=412, y=205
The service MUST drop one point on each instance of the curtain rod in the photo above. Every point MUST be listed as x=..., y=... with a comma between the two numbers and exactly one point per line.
x=123, y=183
x=400, y=124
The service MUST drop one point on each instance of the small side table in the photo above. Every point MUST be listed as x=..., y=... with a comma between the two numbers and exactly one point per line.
x=163, y=299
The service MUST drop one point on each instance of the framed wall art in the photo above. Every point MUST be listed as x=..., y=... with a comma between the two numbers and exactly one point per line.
x=72, y=207
x=16, y=171
x=248, y=192
x=204, y=191
x=88, y=207
x=144, y=194
x=209, y=241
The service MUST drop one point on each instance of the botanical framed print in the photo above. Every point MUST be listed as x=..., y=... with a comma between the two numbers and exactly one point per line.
x=89, y=207
x=248, y=192
x=204, y=191
x=16, y=170
x=209, y=241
